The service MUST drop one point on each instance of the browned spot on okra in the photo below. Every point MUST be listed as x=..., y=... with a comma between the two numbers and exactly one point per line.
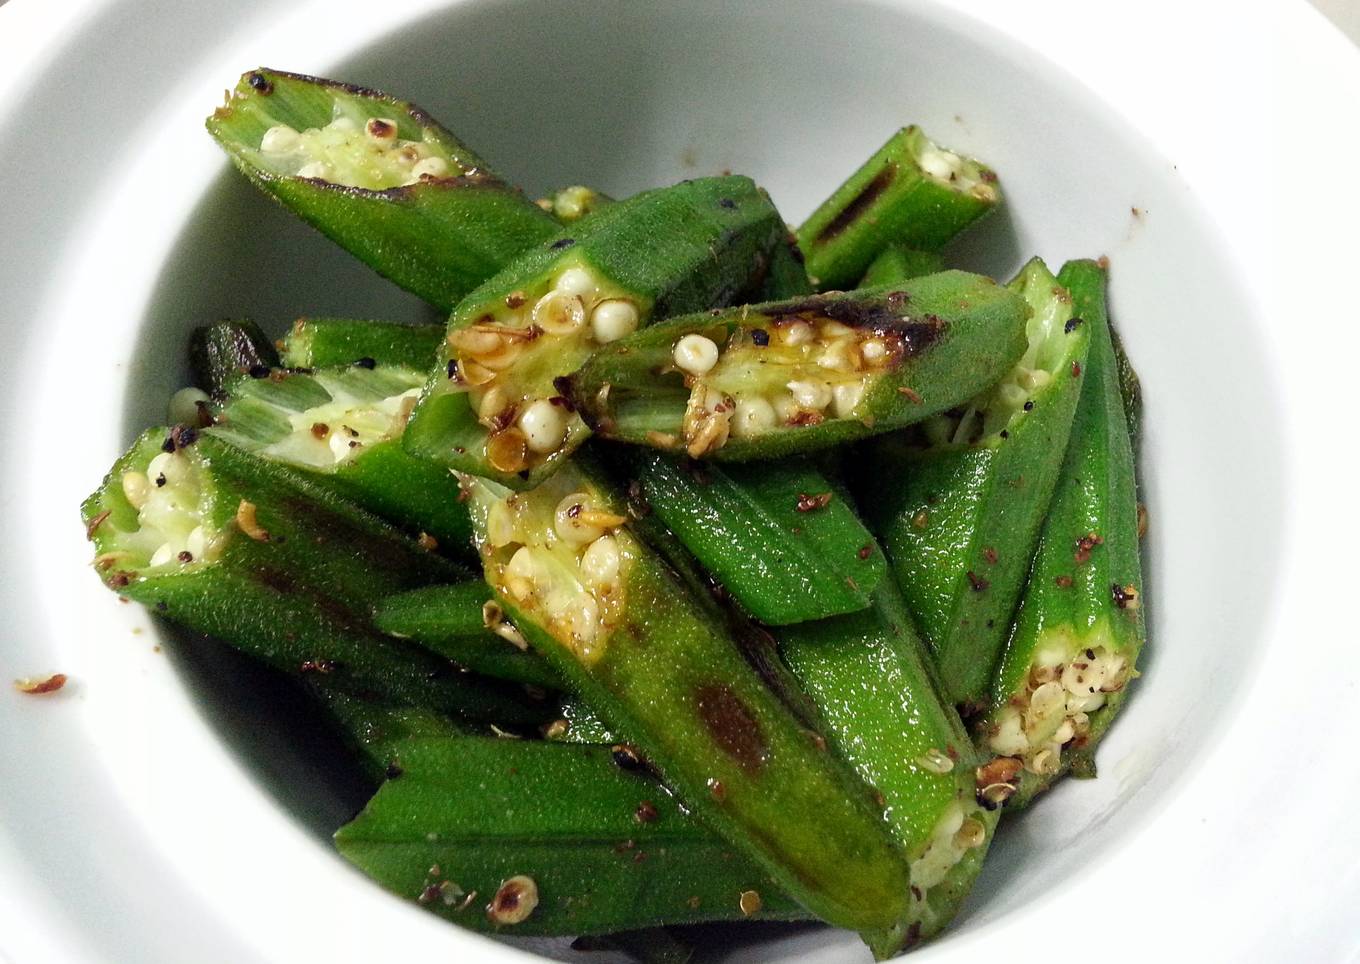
x=646, y=812
x=978, y=583
x=732, y=725
x=1063, y=582
x=811, y=503
x=627, y=757
x=1085, y=545
x=861, y=203
x=1125, y=597
x=989, y=555
x=865, y=551
x=910, y=394
x=93, y=525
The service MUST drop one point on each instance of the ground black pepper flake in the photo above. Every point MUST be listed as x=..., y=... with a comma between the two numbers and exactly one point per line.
x=260, y=84
x=1073, y=324
x=562, y=243
x=258, y=371
x=393, y=771
x=761, y=337
x=1064, y=582
x=1029, y=405
x=452, y=368
x=626, y=757
x=365, y=362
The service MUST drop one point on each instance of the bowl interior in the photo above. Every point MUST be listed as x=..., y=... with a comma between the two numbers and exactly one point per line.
x=623, y=96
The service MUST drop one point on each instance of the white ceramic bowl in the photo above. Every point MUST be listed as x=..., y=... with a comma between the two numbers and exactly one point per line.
x=148, y=815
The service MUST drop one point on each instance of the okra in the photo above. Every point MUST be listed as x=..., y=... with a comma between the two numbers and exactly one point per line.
x=785, y=276
x=659, y=667
x=958, y=501
x=375, y=730
x=579, y=723
x=494, y=405
x=461, y=622
x=656, y=945
x=209, y=536
x=870, y=675
x=912, y=192
x=1063, y=675
x=221, y=352
x=762, y=381
x=1130, y=390
x=571, y=204
x=897, y=263
x=329, y=342
x=379, y=177
x=530, y=838
x=342, y=427
x=773, y=534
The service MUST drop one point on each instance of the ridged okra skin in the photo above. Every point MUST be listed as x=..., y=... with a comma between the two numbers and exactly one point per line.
x=375, y=729
x=899, y=263
x=1065, y=670
x=221, y=352
x=342, y=428
x=959, y=502
x=256, y=555
x=379, y=177
x=461, y=623
x=660, y=667
x=603, y=849
x=871, y=677
x=773, y=534
x=788, y=377
x=911, y=192
x=332, y=342
x=494, y=406
x=785, y=277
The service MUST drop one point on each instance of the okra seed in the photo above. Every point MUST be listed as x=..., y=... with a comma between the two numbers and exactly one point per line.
x=568, y=523
x=971, y=834
x=162, y=555
x=506, y=450
x=343, y=125
x=1065, y=732
x=559, y=313
x=381, y=129
x=809, y=394
x=752, y=416
x=749, y=902
x=575, y=283
x=500, y=525
x=950, y=821
x=1047, y=700
x=834, y=329
x=544, y=426
x=183, y=407
x=613, y=319
x=935, y=761
x=798, y=333
x=197, y=542
x=315, y=169
x=845, y=397
x=493, y=403
x=136, y=488
x=874, y=350
x=514, y=901
x=1009, y=738
x=430, y=166
x=280, y=139
x=600, y=562
x=940, y=164
x=785, y=407
x=695, y=354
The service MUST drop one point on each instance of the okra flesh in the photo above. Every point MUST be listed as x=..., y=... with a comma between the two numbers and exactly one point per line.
x=249, y=552
x=1064, y=672
x=912, y=192
x=658, y=666
x=381, y=178
x=897, y=263
x=774, y=535
x=468, y=814
x=331, y=342
x=462, y=623
x=764, y=381
x=494, y=405
x=959, y=500
x=342, y=426
x=870, y=675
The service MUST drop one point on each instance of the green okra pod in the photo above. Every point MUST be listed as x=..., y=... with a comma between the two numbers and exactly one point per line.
x=332, y=342
x=342, y=427
x=899, y=263
x=375, y=729
x=773, y=534
x=461, y=622
x=870, y=675
x=958, y=501
x=785, y=276
x=655, y=945
x=223, y=351
x=660, y=666
x=229, y=545
x=761, y=381
x=911, y=192
x=379, y=177
x=1065, y=669
x=494, y=406
x=586, y=846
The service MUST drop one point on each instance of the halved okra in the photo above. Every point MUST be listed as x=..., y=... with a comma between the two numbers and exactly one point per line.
x=959, y=500
x=379, y=177
x=329, y=342
x=463, y=623
x=494, y=405
x=773, y=534
x=660, y=667
x=761, y=381
x=529, y=838
x=1063, y=675
x=230, y=545
x=897, y=263
x=911, y=192
x=342, y=427
x=221, y=352
x=870, y=675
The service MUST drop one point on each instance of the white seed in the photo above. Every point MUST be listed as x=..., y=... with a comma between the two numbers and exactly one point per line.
x=971, y=834
x=568, y=523
x=613, y=319
x=834, y=329
x=838, y=357
x=1083, y=675
x=583, y=619
x=1011, y=395
x=941, y=164
x=814, y=395
x=433, y=166
x=575, y=283
x=558, y=313
x=1044, y=763
x=1088, y=703
x=785, y=407
x=343, y=125
x=935, y=761
x=753, y=416
x=162, y=555
x=1032, y=379
x=136, y=488
x=695, y=354
x=950, y=821
x=846, y=397
x=523, y=565
x=500, y=525
x=600, y=562
x=798, y=333
x=1009, y=738
x=1046, y=708
x=492, y=403
x=315, y=169
x=1064, y=732
x=171, y=465
x=983, y=192
x=197, y=542
x=338, y=442
x=544, y=426
x=183, y=407
x=280, y=139
x=873, y=350
x=381, y=129
x=514, y=901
